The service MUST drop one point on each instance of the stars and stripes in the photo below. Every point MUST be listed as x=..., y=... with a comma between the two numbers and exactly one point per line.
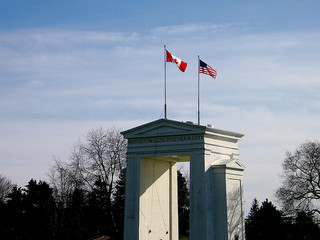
x=206, y=69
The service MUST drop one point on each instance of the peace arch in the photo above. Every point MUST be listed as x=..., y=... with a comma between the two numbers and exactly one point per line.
x=216, y=195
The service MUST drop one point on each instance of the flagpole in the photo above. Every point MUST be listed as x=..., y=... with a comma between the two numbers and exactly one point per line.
x=198, y=90
x=165, y=82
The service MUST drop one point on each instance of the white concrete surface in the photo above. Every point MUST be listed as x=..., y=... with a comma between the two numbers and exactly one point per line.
x=216, y=202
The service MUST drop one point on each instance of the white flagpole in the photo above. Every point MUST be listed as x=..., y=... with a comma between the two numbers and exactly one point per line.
x=198, y=90
x=165, y=82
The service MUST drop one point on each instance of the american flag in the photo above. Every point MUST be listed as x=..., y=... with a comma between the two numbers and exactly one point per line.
x=206, y=69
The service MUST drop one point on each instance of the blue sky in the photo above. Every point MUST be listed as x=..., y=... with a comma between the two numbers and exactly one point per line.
x=108, y=15
x=69, y=66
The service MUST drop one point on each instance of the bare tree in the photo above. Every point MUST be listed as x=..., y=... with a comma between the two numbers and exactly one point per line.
x=5, y=187
x=300, y=190
x=93, y=167
x=100, y=158
x=64, y=181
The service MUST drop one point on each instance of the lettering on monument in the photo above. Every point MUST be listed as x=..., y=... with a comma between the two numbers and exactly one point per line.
x=165, y=139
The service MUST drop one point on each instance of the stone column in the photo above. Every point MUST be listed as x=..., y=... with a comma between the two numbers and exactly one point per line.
x=197, y=195
x=132, y=190
x=228, y=200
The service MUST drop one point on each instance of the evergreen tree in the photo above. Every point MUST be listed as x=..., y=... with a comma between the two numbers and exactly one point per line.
x=264, y=223
x=249, y=221
x=118, y=205
x=40, y=209
x=303, y=227
x=99, y=211
x=183, y=205
x=74, y=223
x=29, y=213
x=13, y=216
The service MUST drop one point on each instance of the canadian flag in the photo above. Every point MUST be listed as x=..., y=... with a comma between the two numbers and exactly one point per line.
x=181, y=64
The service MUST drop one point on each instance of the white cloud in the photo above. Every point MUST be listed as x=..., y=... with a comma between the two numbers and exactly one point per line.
x=57, y=84
x=194, y=29
x=180, y=29
x=45, y=37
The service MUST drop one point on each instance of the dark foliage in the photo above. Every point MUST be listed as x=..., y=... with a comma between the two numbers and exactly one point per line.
x=118, y=206
x=85, y=186
x=302, y=227
x=183, y=205
x=266, y=222
x=29, y=213
x=33, y=213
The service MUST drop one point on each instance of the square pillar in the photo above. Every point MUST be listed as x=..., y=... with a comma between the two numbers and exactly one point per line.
x=227, y=190
x=132, y=189
x=197, y=195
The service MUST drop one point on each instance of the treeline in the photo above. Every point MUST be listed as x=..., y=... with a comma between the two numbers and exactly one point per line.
x=298, y=195
x=266, y=222
x=84, y=197
x=33, y=213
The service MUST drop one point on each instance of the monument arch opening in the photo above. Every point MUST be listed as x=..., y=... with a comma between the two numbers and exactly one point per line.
x=158, y=202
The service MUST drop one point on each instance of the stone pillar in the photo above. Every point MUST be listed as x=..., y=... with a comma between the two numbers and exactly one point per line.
x=132, y=189
x=197, y=196
x=227, y=200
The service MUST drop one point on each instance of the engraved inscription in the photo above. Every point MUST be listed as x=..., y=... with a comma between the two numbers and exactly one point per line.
x=165, y=139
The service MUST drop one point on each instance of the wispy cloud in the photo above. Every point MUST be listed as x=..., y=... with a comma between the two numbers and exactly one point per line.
x=57, y=37
x=192, y=29
x=271, y=70
x=52, y=80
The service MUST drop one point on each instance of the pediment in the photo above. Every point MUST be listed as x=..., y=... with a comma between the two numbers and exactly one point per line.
x=163, y=127
x=228, y=163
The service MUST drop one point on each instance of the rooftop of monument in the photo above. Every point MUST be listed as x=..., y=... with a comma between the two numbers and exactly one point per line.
x=167, y=127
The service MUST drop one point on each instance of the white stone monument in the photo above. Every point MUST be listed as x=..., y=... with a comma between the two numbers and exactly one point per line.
x=216, y=195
